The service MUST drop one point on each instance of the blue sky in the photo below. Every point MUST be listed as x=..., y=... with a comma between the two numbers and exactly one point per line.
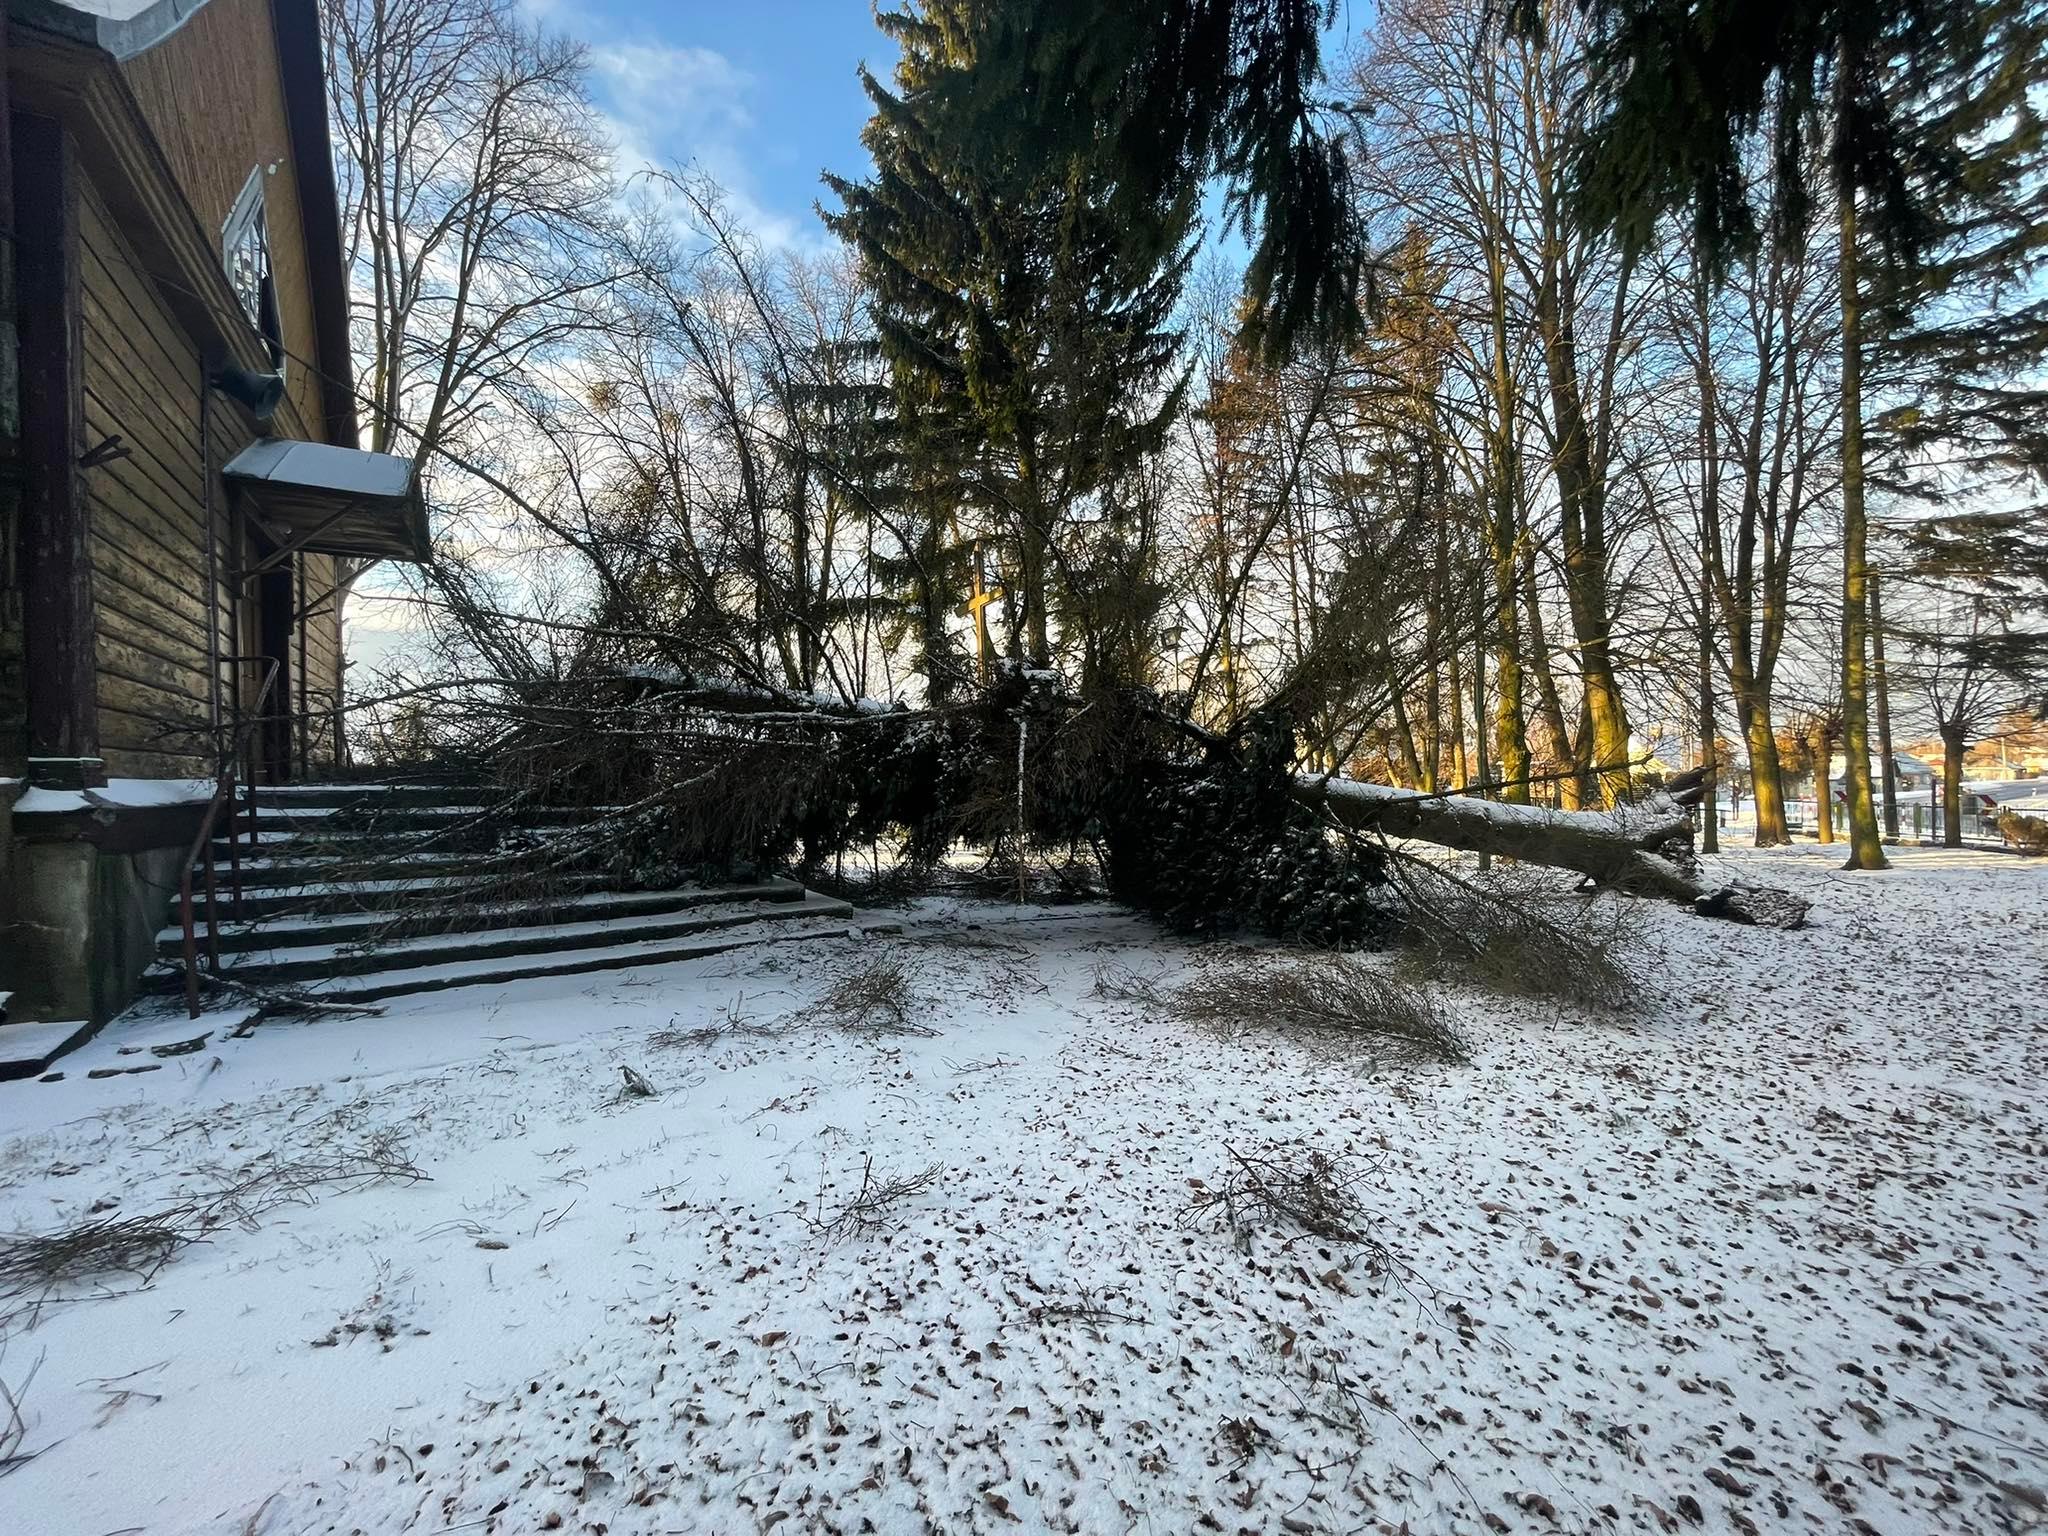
x=761, y=93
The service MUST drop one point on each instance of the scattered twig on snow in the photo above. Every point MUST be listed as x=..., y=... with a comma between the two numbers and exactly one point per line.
x=1126, y=984
x=965, y=938
x=876, y=998
x=14, y=1424
x=734, y=1025
x=871, y=1206
x=1329, y=998
x=1352, y=1402
x=282, y=1000
x=1086, y=1310
x=1299, y=1186
x=34, y=1267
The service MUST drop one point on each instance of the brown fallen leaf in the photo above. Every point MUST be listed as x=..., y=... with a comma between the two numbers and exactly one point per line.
x=1001, y=1506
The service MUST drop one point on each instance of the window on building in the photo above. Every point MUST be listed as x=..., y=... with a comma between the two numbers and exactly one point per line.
x=245, y=252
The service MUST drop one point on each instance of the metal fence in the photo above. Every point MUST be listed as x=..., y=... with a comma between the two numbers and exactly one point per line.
x=1917, y=820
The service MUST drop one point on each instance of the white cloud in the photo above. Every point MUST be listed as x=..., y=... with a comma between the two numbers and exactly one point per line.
x=668, y=106
x=672, y=93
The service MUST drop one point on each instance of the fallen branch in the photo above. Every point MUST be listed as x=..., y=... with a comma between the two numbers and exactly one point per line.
x=36, y=1267
x=1330, y=999
x=1620, y=848
x=1295, y=1186
x=1644, y=848
x=14, y=1426
x=877, y=998
x=871, y=1206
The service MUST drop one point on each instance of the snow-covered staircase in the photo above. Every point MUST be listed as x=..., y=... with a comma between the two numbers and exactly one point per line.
x=361, y=892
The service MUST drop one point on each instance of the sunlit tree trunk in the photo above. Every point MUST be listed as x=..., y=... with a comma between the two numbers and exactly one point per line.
x=1866, y=846
x=1710, y=754
x=1823, y=785
x=1766, y=771
x=1954, y=745
x=1889, y=763
x=1461, y=763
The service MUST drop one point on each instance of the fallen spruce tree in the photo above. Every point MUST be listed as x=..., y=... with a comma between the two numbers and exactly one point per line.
x=1212, y=831
x=1644, y=847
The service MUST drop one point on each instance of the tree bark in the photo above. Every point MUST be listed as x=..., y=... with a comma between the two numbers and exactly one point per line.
x=1766, y=772
x=1617, y=848
x=1890, y=763
x=1823, y=785
x=1511, y=734
x=1954, y=745
x=1461, y=766
x=1866, y=846
x=1710, y=757
x=1408, y=760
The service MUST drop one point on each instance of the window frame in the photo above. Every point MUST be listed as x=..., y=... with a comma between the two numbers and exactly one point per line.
x=245, y=236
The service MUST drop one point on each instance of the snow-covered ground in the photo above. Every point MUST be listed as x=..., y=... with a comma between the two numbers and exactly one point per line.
x=1765, y=1255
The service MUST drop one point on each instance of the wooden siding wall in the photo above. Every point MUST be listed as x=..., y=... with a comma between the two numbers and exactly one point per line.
x=212, y=94
x=317, y=672
x=142, y=381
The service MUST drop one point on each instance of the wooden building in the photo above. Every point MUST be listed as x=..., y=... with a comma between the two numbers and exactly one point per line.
x=182, y=503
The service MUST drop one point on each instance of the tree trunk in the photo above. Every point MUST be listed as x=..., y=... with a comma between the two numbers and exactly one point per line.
x=1615, y=849
x=1823, y=787
x=1890, y=780
x=1549, y=700
x=1953, y=746
x=1432, y=728
x=1409, y=762
x=1461, y=763
x=1766, y=774
x=1866, y=846
x=1510, y=730
x=1710, y=757
x=1479, y=731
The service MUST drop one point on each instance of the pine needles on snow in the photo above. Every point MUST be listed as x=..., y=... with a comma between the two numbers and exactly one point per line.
x=1331, y=1001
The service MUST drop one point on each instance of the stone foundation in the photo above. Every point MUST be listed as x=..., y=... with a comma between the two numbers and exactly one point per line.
x=83, y=896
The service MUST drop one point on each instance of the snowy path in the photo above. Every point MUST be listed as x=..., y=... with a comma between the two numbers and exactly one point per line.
x=1765, y=1257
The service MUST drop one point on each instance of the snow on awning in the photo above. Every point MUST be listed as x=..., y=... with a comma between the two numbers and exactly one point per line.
x=332, y=501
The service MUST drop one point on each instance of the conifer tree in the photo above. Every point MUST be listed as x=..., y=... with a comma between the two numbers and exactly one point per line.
x=1151, y=102
x=1023, y=323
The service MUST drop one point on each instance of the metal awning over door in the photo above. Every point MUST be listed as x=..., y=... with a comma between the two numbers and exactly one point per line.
x=318, y=499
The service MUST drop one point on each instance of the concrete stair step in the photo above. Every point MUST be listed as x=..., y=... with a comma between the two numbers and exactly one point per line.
x=26, y=1050
x=308, y=840
x=375, y=986
x=381, y=820
x=294, y=930
x=289, y=893
x=366, y=796
x=296, y=963
x=283, y=871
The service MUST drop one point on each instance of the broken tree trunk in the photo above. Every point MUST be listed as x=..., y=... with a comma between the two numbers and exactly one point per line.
x=1643, y=848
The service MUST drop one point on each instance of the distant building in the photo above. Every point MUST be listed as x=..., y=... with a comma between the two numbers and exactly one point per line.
x=1915, y=775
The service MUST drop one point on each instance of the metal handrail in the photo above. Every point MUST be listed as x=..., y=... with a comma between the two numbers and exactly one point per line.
x=225, y=765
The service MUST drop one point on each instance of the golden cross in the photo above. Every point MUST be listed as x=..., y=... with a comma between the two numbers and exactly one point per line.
x=977, y=605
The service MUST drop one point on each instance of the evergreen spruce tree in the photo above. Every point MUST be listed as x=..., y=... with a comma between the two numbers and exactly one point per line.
x=894, y=471
x=1025, y=327
x=1148, y=103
